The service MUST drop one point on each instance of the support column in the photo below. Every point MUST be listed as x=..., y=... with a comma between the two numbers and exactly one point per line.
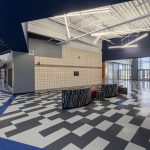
x=103, y=72
x=134, y=69
x=115, y=72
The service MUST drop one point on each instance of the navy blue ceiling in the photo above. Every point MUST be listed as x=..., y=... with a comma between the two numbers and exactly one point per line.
x=27, y=10
x=14, y=12
x=143, y=49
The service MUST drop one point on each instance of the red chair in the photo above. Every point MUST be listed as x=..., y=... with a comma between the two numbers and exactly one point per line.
x=94, y=90
x=120, y=88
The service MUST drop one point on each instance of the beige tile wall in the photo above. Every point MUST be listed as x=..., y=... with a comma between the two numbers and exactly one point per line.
x=58, y=73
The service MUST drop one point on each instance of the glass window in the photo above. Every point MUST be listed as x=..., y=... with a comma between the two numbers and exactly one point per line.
x=144, y=63
x=144, y=68
x=122, y=70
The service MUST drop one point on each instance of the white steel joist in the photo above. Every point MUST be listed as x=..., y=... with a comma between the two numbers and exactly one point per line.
x=94, y=25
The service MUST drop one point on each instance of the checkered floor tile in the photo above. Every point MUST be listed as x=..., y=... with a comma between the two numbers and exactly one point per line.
x=4, y=98
x=118, y=123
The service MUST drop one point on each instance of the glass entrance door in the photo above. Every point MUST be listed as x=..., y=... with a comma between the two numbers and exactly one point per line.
x=144, y=74
x=144, y=68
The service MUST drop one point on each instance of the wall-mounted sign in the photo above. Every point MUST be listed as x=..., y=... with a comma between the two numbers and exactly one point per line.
x=31, y=52
x=76, y=73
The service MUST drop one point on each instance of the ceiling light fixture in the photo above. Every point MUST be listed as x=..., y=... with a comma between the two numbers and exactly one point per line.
x=122, y=47
x=120, y=32
x=137, y=39
x=67, y=26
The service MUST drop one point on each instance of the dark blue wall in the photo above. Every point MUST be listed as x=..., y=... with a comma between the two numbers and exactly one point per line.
x=14, y=12
x=143, y=49
x=11, y=33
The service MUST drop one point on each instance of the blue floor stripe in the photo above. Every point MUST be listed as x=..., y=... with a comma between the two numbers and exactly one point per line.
x=7, y=104
x=6, y=144
x=119, y=102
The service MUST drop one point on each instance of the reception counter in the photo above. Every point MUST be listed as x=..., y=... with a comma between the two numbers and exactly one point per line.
x=73, y=98
x=110, y=90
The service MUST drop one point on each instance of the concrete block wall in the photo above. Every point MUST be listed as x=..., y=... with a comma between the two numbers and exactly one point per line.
x=51, y=73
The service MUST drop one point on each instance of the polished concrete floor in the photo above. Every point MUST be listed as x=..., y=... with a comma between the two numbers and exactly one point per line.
x=119, y=123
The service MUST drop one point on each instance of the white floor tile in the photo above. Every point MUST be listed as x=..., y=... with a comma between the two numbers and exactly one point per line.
x=25, y=137
x=104, y=125
x=110, y=113
x=132, y=146
x=6, y=129
x=123, y=111
x=146, y=123
x=25, y=118
x=82, y=130
x=10, y=116
x=92, y=116
x=144, y=113
x=81, y=109
x=99, y=107
x=51, y=114
x=71, y=147
x=111, y=106
x=128, y=132
x=97, y=144
x=124, y=120
x=30, y=108
x=74, y=119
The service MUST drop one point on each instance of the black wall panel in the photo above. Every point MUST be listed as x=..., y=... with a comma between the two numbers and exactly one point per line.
x=143, y=49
